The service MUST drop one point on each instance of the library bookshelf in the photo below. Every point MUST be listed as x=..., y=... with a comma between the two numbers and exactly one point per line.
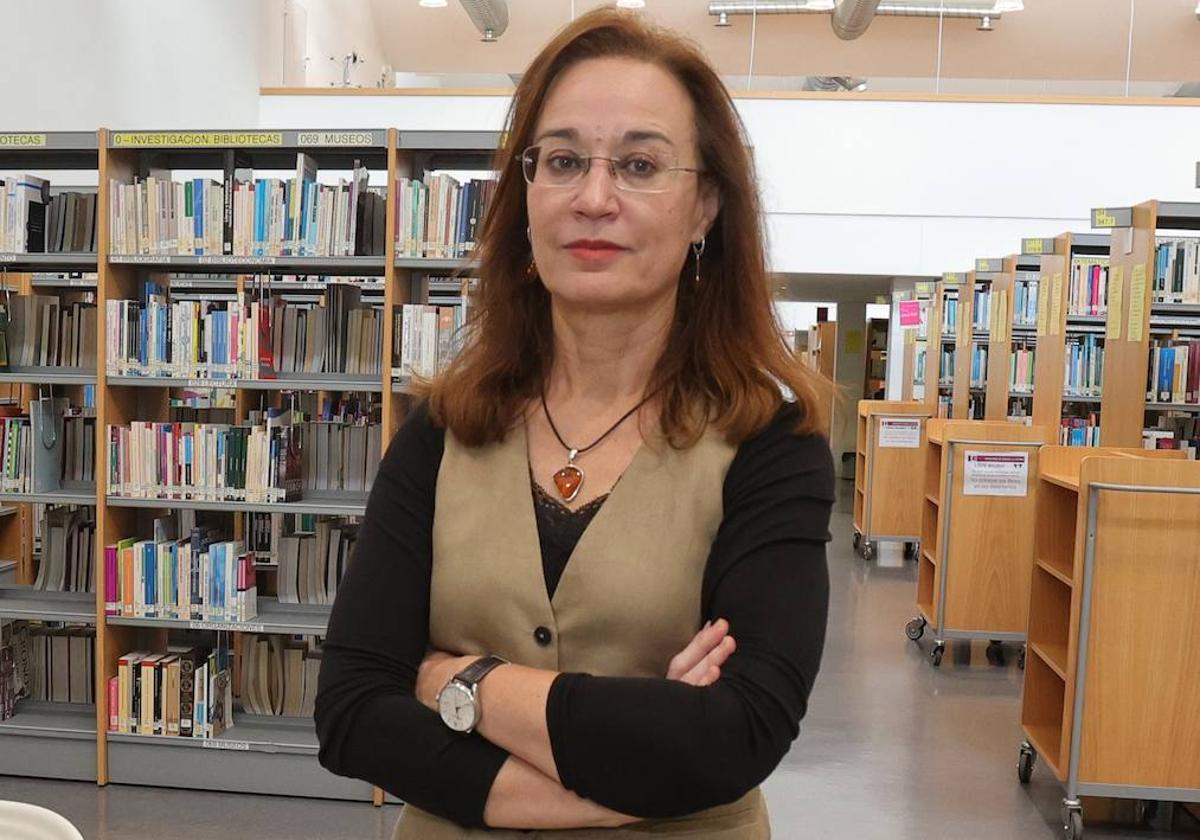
x=976, y=533
x=917, y=344
x=889, y=450
x=1109, y=701
x=943, y=337
x=1135, y=318
x=994, y=281
x=259, y=753
x=1056, y=326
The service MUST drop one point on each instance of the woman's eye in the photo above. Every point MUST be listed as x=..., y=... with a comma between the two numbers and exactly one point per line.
x=640, y=166
x=564, y=162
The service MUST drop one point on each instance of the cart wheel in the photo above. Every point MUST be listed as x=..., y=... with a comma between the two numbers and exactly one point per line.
x=1073, y=830
x=1025, y=763
x=935, y=655
x=912, y=550
x=995, y=654
x=857, y=541
x=1021, y=658
x=868, y=550
x=915, y=629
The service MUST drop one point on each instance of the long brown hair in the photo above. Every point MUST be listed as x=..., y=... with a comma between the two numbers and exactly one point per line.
x=725, y=357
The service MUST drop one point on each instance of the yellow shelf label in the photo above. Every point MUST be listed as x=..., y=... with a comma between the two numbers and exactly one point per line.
x=1116, y=294
x=335, y=138
x=1033, y=247
x=1137, y=302
x=1103, y=219
x=1043, y=308
x=153, y=139
x=22, y=141
x=1056, y=289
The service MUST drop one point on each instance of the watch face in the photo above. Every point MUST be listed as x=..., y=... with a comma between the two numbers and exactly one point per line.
x=457, y=707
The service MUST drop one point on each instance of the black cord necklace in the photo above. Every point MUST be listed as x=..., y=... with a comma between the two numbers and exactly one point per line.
x=569, y=480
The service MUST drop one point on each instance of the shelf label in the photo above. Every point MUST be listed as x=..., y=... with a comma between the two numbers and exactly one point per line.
x=337, y=138
x=231, y=626
x=1116, y=293
x=155, y=139
x=952, y=278
x=10, y=257
x=1056, y=296
x=1036, y=247
x=995, y=473
x=1137, y=302
x=897, y=433
x=22, y=141
x=214, y=744
x=989, y=266
x=1043, y=309
x=922, y=288
x=1103, y=217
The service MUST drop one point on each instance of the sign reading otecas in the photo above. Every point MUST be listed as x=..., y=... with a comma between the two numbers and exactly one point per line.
x=910, y=313
x=995, y=473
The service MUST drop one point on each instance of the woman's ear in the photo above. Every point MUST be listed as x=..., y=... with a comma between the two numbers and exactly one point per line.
x=708, y=205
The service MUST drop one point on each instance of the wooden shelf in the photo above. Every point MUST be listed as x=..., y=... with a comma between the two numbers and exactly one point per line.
x=1070, y=482
x=341, y=504
x=64, y=261
x=932, y=499
x=925, y=554
x=1046, y=739
x=1061, y=575
x=25, y=602
x=273, y=617
x=285, y=382
x=1053, y=655
x=50, y=375
x=227, y=264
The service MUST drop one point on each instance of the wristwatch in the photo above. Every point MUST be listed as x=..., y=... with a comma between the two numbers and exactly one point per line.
x=458, y=701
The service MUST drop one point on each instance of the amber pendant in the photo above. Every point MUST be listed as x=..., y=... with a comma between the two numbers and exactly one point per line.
x=569, y=480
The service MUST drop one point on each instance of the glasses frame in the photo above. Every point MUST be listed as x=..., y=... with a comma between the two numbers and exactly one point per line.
x=525, y=160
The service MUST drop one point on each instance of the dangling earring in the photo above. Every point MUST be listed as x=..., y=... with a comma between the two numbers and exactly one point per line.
x=531, y=270
x=698, y=250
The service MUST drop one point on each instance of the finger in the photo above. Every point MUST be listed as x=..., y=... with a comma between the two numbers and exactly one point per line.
x=716, y=657
x=701, y=644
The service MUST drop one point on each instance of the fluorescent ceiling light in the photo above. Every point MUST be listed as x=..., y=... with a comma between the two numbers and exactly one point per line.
x=433, y=4
x=1003, y=6
x=631, y=4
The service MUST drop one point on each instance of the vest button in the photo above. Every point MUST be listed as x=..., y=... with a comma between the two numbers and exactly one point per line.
x=542, y=636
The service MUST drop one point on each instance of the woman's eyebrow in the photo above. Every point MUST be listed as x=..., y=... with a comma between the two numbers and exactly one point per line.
x=560, y=133
x=633, y=136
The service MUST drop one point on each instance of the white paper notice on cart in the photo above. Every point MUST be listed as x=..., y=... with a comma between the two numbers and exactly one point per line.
x=896, y=433
x=996, y=473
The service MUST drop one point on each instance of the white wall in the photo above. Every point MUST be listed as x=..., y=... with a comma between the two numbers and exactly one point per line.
x=83, y=64
x=895, y=188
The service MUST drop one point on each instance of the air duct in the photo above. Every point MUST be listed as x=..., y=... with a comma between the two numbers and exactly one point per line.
x=834, y=84
x=489, y=16
x=852, y=17
x=888, y=8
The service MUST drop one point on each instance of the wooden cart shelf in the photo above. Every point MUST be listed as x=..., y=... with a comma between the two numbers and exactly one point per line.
x=1111, y=698
x=890, y=446
x=977, y=560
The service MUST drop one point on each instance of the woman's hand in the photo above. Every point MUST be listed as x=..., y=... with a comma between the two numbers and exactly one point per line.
x=435, y=671
x=700, y=662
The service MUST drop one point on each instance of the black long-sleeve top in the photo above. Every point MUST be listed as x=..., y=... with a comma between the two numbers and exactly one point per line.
x=644, y=747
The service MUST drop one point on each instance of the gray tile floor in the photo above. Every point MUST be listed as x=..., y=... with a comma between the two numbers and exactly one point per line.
x=892, y=749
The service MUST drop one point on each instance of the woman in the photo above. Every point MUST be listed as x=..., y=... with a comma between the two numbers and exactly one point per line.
x=603, y=490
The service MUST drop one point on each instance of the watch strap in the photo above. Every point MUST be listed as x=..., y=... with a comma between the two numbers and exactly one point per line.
x=477, y=670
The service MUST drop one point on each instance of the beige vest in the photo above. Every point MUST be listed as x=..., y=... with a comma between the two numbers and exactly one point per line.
x=628, y=601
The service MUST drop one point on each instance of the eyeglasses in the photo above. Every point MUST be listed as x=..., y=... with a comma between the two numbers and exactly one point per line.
x=638, y=171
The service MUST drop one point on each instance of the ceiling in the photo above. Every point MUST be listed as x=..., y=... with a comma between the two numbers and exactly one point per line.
x=823, y=288
x=1050, y=40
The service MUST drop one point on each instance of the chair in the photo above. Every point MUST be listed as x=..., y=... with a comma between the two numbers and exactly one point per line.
x=22, y=821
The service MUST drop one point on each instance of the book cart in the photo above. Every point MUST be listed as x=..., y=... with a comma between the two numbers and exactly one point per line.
x=258, y=753
x=976, y=533
x=1110, y=697
x=890, y=450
